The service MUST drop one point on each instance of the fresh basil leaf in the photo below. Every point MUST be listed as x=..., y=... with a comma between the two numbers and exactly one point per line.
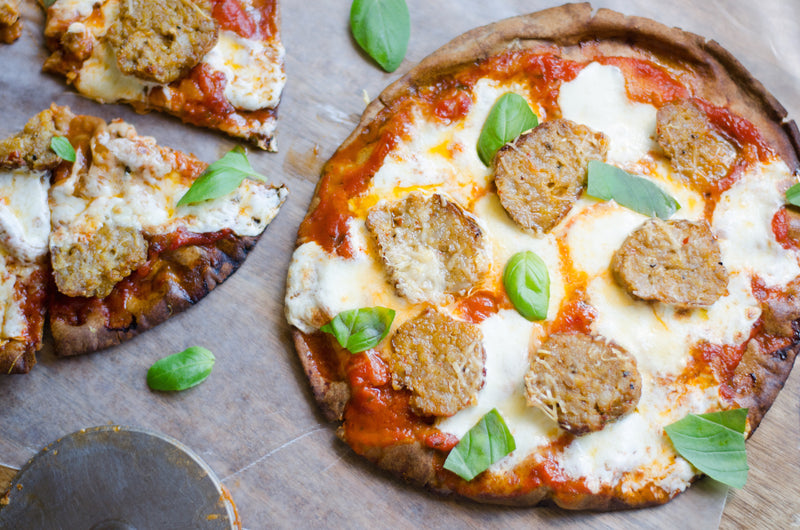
x=48, y=3
x=61, y=146
x=360, y=329
x=510, y=116
x=486, y=443
x=527, y=283
x=382, y=28
x=180, y=371
x=793, y=195
x=221, y=177
x=714, y=444
x=608, y=182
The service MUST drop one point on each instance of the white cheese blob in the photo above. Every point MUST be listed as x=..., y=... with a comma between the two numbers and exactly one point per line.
x=24, y=214
x=13, y=324
x=597, y=98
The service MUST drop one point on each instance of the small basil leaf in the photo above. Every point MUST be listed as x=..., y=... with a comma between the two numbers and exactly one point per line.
x=486, y=443
x=608, y=182
x=527, y=283
x=62, y=148
x=382, y=28
x=510, y=116
x=793, y=195
x=358, y=330
x=221, y=177
x=48, y=3
x=180, y=371
x=714, y=444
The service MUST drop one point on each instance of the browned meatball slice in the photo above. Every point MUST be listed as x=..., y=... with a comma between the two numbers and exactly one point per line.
x=440, y=360
x=675, y=262
x=541, y=174
x=31, y=147
x=159, y=41
x=92, y=267
x=430, y=247
x=582, y=382
x=695, y=148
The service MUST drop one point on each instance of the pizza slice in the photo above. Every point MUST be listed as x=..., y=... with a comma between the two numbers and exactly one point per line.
x=211, y=63
x=105, y=237
x=10, y=23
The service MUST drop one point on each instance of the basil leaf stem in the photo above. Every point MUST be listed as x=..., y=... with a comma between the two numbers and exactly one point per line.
x=358, y=330
x=608, y=182
x=382, y=28
x=714, y=444
x=221, y=177
x=485, y=443
x=510, y=116
x=793, y=195
x=61, y=146
x=180, y=371
x=527, y=283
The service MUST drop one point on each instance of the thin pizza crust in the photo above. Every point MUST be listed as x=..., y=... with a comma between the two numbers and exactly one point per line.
x=578, y=32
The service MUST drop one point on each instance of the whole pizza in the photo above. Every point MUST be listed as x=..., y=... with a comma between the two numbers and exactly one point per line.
x=550, y=241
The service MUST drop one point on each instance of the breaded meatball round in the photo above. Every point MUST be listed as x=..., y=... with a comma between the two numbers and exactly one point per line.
x=31, y=147
x=430, y=246
x=159, y=41
x=675, y=262
x=582, y=382
x=440, y=360
x=94, y=267
x=541, y=174
x=695, y=148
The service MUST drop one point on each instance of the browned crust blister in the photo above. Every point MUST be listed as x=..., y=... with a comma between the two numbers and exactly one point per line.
x=723, y=82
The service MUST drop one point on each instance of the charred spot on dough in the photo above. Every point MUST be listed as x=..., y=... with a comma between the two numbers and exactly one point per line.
x=440, y=360
x=676, y=262
x=429, y=246
x=540, y=175
x=697, y=151
x=159, y=40
x=92, y=266
x=582, y=382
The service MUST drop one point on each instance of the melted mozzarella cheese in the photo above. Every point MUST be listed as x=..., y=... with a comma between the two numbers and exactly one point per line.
x=13, y=323
x=597, y=98
x=101, y=79
x=24, y=214
x=69, y=9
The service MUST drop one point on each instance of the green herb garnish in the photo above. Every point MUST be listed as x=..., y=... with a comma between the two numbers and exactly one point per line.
x=61, y=146
x=714, y=444
x=382, y=28
x=527, y=283
x=608, y=182
x=793, y=195
x=221, y=177
x=510, y=116
x=182, y=370
x=358, y=330
x=486, y=443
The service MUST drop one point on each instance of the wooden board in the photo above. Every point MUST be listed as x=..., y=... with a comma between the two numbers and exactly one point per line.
x=254, y=420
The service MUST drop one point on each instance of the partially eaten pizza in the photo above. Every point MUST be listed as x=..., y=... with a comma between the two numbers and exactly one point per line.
x=211, y=63
x=546, y=303
x=101, y=242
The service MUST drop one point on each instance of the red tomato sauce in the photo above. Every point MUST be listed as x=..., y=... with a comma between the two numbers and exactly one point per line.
x=646, y=82
x=232, y=16
x=480, y=305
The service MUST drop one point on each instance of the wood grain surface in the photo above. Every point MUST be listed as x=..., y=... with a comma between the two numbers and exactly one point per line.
x=254, y=420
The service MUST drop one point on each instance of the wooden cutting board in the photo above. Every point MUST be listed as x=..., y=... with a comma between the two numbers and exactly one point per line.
x=254, y=420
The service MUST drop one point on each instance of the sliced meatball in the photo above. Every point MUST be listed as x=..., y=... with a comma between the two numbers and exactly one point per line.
x=158, y=40
x=440, y=360
x=541, y=174
x=93, y=267
x=429, y=246
x=31, y=147
x=10, y=23
x=697, y=151
x=582, y=382
x=675, y=262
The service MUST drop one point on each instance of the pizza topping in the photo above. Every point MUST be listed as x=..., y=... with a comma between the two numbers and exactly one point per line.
x=440, y=360
x=540, y=176
x=160, y=41
x=779, y=313
x=608, y=182
x=510, y=116
x=61, y=146
x=696, y=149
x=182, y=370
x=358, y=330
x=793, y=194
x=10, y=23
x=483, y=445
x=24, y=214
x=32, y=146
x=675, y=262
x=527, y=283
x=430, y=246
x=93, y=265
x=582, y=382
x=221, y=177
x=382, y=29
